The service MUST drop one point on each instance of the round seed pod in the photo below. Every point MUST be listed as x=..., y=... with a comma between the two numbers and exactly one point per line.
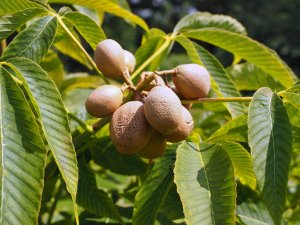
x=192, y=81
x=155, y=147
x=129, y=129
x=109, y=58
x=129, y=61
x=187, y=106
x=104, y=101
x=163, y=109
x=184, y=129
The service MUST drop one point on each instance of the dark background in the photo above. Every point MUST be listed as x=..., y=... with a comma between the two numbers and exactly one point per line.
x=274, y=23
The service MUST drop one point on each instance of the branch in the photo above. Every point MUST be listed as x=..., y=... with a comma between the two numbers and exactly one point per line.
x=224, y=99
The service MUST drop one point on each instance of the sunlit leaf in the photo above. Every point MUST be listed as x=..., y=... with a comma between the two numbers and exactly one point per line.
x=34, y=41
x=48, y=103
x=234, y=130
x=52, y=64
x=248, y=77
x=248, y=49
x=107, y=6
x=91, y=32
x=23, y=156
x=12, y=21
x=200, y=20
x=205, y=183
x=270, y=139
x=8, y=6
x=242, y=163
x=154, y=190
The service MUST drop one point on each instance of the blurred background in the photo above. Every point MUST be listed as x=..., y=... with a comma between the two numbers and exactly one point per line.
x=274, y=23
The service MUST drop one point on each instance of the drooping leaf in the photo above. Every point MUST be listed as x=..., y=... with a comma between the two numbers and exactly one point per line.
x=154, y=190
x=248, y=49
x=91, y=198
x=8, y=6
x=52, y=64
x=205, y=183
x=241, y=162
x=12, y=21
x=105, y=154
x=270, y=139
x=48, y=103
x=222, y=83
x=250, y=208
x=34, y=41
x=248, y=77
x=200, y=20
x=107, y=6
x=23, y=156
x=234, y=130
x=91, y=32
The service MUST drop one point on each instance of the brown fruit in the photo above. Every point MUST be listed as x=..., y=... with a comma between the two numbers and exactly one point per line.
x=104, y=100
x=184, y=129
x=187, y=106
x=129, y=61
x=155, y=147
x=163, y=109
x=129, y=129
x=192, y=81
x=158, y=81
x=109, y=58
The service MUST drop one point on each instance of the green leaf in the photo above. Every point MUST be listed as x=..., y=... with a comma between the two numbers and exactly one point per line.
x=248, y=49
x=8, y=6
x=80, y=80
x=241, y=162
x=107, y=6
x=221, y=82
x=248, y=77
x=292, y=104
x=52, y=64
x=23, y=156
x=205, y=183
x=65, y=44
x=296, y=139
x=147, y=49
x=294, y=88
x=34, y=41
x=250, y=208
x=91, y=198
x=270, y=139
x=105, y=154
x=12, y=21
x=234, y=130
x=172, y=206
x=200, y=20
x=48, y=104
x=88, y=29
x=154, y=190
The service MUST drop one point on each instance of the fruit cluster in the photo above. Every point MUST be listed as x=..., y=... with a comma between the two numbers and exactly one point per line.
x=144, y=123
